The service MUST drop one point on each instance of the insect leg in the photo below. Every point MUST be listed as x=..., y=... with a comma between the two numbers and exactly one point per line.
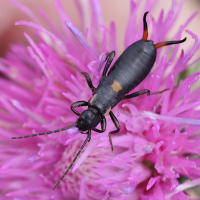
x=78, y=104
x=139, y=93
x=89, y=81
x=117, y=125
x=103, y=126
x=109, y=59
x=73, y=161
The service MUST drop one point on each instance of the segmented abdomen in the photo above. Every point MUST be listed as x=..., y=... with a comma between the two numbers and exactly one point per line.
x=129, y=70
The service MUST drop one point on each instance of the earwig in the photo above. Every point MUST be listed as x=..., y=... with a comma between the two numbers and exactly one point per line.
x=130, y=69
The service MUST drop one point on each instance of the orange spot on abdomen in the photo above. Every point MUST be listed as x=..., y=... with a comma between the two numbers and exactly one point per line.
x=116, y=86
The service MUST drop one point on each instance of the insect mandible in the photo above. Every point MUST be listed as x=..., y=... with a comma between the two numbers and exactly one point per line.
x=130, y=69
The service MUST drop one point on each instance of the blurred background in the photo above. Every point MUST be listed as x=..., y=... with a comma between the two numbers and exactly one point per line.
x=117, y=10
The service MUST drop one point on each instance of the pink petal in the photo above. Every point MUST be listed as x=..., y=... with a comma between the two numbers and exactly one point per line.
x=151, y=182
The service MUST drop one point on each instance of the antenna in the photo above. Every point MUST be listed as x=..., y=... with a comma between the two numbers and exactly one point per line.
x=45, y=133
x=73, y=161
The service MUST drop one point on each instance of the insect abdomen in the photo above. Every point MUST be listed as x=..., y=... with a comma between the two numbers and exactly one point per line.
x=129, y=70
x=134, y=64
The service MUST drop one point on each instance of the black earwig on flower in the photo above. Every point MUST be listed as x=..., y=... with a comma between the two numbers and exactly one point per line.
x=130, y=69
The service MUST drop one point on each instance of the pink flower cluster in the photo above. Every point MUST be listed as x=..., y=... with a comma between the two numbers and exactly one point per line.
x=158, y=141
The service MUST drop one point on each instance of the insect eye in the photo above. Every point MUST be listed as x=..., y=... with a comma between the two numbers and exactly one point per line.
x=80, y=121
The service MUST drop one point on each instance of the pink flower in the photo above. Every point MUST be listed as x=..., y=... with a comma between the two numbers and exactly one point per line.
x=158, y=141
